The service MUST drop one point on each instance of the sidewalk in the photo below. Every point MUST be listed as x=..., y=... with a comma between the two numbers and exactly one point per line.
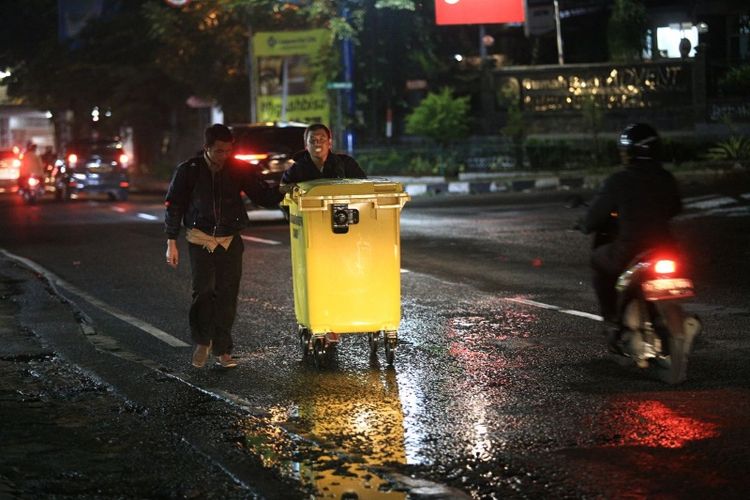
x=65, y=433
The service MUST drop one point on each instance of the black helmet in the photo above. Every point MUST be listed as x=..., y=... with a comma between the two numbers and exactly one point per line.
x=639, y=142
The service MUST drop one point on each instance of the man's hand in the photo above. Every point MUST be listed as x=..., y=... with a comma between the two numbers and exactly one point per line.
x=173, y=255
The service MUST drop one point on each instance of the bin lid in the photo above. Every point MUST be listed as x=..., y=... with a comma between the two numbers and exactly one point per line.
x=348, y=187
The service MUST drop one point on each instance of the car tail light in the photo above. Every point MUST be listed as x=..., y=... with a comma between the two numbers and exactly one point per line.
x=33, y=181
x=72, y=159
x=251, y=158
x=124, y=159
x=124, y=184
x=665, y=266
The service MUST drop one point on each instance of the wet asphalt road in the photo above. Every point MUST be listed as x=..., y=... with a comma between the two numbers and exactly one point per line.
x=491, y=394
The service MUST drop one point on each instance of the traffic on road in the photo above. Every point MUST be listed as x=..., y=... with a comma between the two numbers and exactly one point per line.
x=501, y=384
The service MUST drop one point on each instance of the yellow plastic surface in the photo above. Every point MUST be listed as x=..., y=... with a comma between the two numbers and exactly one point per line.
x=351, y=282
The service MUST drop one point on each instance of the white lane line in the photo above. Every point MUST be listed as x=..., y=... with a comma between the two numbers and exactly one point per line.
x=142, y=325
x=712, y=203
x=147, y=216
x=260, y=240
x=551, y=307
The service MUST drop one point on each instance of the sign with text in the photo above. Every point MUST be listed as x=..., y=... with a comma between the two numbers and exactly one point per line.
x=290, y=76
x=478, y=11
x=619, y=86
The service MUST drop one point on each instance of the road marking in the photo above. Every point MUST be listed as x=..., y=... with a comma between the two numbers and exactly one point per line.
x=141, y=325
x=711, y=203
x=551, y=307
x=147, y=216
x=261, y=240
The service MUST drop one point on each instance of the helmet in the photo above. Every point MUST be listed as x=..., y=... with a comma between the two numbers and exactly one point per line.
x=639, y=142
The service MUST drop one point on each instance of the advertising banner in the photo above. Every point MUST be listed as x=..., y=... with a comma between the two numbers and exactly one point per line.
x=478, y=11
x=291, y=82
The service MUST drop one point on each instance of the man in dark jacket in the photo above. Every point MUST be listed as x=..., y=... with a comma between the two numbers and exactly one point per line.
x=317, y=161
x=643, y=197
x=205, y=196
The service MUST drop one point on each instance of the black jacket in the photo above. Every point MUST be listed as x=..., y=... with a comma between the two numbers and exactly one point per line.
x=645, y=197
x=213, y=202
x=336, y=166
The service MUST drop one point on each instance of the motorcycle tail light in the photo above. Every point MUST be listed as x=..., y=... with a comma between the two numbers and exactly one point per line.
x=124, y=184
x=251, y=158
x=33, y=181
x=72, y=159
x=665, y=266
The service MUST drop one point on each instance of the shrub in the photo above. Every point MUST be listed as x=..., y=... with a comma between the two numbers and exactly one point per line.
x=736, y=148
x=736, y=81
x=547, y=155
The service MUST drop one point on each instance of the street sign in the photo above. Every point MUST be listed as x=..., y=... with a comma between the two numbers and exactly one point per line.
x=339, y=86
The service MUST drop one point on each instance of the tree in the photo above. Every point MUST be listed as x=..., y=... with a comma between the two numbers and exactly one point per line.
x=444, y=119
x=516, y=126
x=593, y=117
x=627, y=30
x=441, y=117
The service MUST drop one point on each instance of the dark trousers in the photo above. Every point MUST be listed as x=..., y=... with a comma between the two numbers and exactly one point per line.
x=607, y=264
x=216, y=283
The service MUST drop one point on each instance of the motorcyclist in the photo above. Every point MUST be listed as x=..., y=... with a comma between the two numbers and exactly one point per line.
x=31, y=165
x=48, y=158
x=643, y=197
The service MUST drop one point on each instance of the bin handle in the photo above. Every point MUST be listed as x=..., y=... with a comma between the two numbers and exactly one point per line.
x=327, y=201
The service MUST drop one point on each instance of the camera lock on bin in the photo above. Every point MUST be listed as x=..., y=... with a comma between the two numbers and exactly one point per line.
x=342, y=216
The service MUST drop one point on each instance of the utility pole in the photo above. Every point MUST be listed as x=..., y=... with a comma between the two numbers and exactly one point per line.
x=560, y=59
x=251, y=72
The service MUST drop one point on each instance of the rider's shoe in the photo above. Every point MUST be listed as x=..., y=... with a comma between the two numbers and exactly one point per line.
x=613, y=337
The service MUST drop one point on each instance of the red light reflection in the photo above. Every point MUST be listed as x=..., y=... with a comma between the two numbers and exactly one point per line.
x=653, y=424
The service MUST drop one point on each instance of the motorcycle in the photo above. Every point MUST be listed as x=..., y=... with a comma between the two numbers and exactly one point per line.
x=652, y=330
x=31, y=189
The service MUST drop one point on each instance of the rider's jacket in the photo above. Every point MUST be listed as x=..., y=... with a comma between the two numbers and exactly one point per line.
x=212, y=202
x=645, y=197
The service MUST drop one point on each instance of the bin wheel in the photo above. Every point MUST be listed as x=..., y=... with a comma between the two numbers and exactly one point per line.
x=304, y=340
x=319, y=352
x=372, y=342
x=390, y=350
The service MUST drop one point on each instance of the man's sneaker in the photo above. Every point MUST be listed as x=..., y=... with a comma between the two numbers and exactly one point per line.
x=200, y=355
x=226, y=361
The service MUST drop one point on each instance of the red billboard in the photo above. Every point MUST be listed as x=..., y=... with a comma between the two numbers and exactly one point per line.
x=478, y=11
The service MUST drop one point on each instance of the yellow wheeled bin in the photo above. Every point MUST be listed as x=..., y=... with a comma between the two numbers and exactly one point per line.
x=346, y=261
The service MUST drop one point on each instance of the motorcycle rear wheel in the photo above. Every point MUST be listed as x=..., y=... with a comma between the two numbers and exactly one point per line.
x=681, y=335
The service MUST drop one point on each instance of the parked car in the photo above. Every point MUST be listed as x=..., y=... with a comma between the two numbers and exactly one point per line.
x=10, y=169
x=268, y=147
x=91, y=167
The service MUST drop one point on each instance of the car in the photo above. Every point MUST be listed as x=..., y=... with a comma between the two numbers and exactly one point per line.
x=268, y=147
x=91, y=166
x=10, y=169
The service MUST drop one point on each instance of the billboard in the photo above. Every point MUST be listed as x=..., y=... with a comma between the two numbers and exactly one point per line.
x=291, y=83
x=478, y=11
